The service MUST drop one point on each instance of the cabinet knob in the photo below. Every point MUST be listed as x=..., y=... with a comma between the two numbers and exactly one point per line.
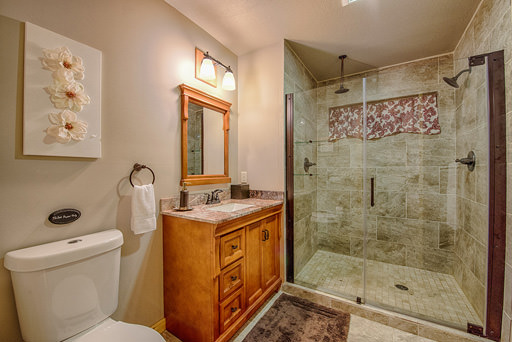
x=234, y=309
x=234, y=246
x=233, y=278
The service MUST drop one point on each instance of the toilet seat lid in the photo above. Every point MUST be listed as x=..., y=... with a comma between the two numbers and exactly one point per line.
x=120, y=332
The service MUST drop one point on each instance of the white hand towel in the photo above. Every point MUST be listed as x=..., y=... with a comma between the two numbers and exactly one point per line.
x=143, y=209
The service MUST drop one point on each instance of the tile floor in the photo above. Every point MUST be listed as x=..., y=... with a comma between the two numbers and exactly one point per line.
x=361, y=330
x=430, y=295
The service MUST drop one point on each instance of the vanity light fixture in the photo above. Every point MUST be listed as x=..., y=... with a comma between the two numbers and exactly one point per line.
x=207, y=72
x=228, y=82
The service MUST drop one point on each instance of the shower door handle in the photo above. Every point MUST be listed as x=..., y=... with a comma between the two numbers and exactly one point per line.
x=372, y=191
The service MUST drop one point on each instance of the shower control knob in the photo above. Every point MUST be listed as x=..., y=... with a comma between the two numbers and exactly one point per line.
x=307, y=164
x=470, y=160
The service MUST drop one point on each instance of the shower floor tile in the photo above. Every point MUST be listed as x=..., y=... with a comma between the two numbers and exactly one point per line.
x=430, y=295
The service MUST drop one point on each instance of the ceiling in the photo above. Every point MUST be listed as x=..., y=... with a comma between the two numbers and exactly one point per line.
x=373, y=33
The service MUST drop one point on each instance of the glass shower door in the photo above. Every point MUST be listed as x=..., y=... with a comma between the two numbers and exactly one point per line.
x=427, y=222
x=328, y=175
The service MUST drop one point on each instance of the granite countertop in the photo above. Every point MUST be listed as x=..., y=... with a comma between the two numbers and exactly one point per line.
x=200, y=212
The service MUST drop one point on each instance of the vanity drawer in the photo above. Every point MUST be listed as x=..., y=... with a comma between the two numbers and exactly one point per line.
x=231, y=278
x=232, y=247
x=231, y=309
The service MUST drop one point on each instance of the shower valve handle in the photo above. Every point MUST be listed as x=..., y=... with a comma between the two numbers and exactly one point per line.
x=465, y=161
x=307, y=164
x=470, y=160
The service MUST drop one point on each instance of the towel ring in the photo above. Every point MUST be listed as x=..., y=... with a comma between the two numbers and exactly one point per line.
x=138, y=167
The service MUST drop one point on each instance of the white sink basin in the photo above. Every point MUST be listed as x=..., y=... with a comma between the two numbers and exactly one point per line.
x=230, y=207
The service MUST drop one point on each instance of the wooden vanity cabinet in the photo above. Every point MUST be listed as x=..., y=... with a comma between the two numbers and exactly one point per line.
x=217, y=275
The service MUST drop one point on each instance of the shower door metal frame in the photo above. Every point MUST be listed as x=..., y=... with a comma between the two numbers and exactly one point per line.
x=497, y=194
x=290, y=276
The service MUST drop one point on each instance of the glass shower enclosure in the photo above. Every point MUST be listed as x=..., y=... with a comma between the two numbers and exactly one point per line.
x=390, y=188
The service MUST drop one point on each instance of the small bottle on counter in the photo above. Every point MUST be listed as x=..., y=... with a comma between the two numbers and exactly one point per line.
x=184, y=197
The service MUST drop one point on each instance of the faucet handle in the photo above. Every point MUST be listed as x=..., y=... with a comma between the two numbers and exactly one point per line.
x=215, y=194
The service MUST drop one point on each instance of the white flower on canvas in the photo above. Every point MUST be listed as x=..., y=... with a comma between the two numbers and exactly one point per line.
x=66, y=126
x=62, y=60
x=63, y=76
x=68, y=95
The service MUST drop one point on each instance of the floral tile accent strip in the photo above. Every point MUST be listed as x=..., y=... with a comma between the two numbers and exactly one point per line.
x=412, y=114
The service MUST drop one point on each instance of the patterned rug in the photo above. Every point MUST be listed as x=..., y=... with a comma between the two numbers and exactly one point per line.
x=297, y=320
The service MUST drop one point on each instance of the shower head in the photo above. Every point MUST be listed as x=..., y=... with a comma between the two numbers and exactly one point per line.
x=452, y=81
x=342, y=89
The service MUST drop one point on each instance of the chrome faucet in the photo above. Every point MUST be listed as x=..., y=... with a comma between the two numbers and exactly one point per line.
x=213, y=198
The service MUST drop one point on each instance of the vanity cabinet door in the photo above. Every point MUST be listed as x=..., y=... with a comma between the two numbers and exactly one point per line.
x=269, y=252
x=262, y=258
x=254, y=288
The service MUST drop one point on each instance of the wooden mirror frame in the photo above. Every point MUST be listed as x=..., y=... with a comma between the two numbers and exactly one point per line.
x=189, y=94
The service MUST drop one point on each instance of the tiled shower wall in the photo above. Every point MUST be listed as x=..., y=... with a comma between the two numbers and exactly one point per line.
x=413, y=220
x=490, y=30
x=472, y=187
x=299, y=81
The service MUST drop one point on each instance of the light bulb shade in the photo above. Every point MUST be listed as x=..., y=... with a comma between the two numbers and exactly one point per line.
x=228, y=82
x=207, y=70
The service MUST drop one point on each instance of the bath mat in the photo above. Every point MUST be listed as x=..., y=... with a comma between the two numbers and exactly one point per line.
x=298, y=320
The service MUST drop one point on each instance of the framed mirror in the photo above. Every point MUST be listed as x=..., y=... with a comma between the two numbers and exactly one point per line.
x=204, y=138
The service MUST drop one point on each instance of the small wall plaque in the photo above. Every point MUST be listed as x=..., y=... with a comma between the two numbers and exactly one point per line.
x=64, y=216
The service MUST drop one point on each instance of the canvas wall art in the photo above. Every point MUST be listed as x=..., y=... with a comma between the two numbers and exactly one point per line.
x=62, y=96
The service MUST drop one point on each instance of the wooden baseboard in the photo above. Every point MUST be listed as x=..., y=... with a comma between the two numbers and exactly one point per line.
x=159, y=326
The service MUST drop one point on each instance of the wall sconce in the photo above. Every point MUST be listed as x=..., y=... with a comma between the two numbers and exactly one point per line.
x=206, y=70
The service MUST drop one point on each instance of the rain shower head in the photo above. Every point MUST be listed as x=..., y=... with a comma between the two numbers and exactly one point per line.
x=452, y=81
x=342, y=88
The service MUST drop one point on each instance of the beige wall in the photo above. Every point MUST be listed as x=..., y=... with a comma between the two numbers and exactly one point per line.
x=261, y=118
x=148, y=50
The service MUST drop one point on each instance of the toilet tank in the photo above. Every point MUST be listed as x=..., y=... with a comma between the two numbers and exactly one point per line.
x=65, y=287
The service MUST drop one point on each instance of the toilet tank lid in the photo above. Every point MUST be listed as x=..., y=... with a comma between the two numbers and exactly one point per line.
x=62, y=252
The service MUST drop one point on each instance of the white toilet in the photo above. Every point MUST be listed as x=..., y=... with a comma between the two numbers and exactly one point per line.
x=66, y=291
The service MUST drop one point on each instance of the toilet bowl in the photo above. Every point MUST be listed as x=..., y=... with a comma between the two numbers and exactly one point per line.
x=67, y=291
x=113, y=331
